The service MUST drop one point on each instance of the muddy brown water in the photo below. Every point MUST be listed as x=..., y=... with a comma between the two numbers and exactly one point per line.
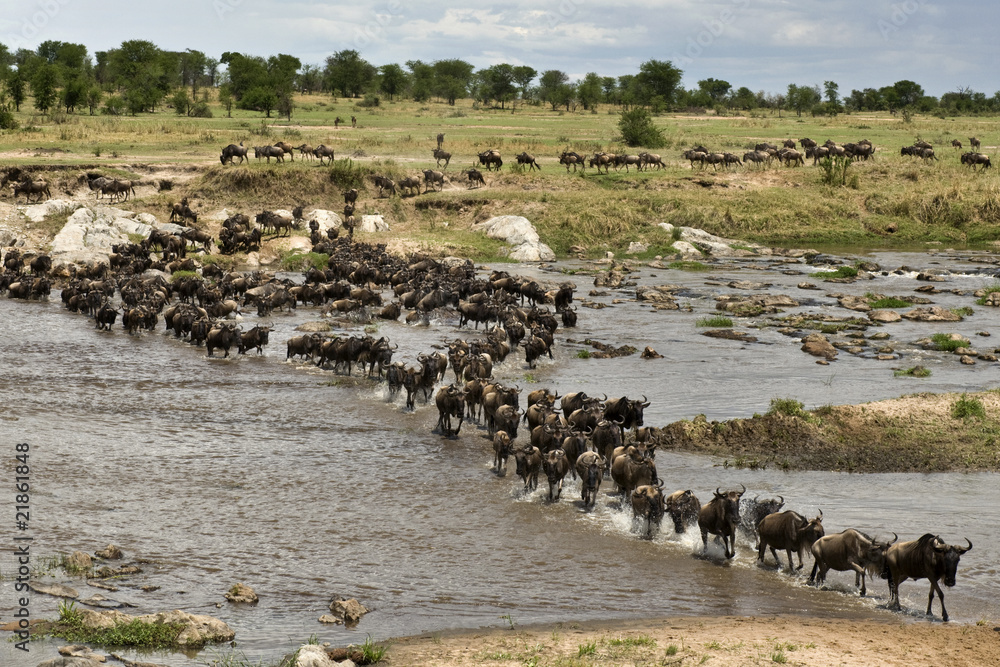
x=306, y=486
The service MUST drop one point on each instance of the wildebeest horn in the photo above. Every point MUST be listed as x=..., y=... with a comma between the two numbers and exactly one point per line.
x=820, y=514
x=755, y=498
x=604, y=400
x=718, y=491
x=782, y=499
x=659, y=483
x=894, y=538
x=962, y=551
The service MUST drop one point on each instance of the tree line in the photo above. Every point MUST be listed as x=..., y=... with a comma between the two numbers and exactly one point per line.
x=139, y=77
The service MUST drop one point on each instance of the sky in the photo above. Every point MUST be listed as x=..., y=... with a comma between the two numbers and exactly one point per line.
x=760, y=44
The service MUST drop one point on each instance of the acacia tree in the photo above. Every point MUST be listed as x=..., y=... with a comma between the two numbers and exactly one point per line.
x=497, y=83
x=452, y=79
x=348, y=72
x=588, y=91
x=523, y=76
x=43, y=87
x=549, y=83
x=393, y=79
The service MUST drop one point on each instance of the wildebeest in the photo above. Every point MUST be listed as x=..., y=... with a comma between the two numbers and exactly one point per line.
x=571, y=158
x=973, y=143
x=256, y=337
x=432, y=179
x=439, y=155
x=848, y=550
x=287, y=149
x=383, y=184
x=720, y=516
x=490, y=159
x=976, y=159
x=221, y=336
x=556, y=465
x=233, y=151
x=526, y=158
x=351, y=196
x=410, y=183
x=752, y=511
x=632, y=470
x=648, y=503
x=269, y=152
x=790, y=531
x=450, y=403
x=590, y=468
x=29, y=187
x=302, y=346
x=683, y=508
x=529, y=462
x=475, y=177
x=624, y=412
x=323, y=151
x=928, y=557
x=502, y=450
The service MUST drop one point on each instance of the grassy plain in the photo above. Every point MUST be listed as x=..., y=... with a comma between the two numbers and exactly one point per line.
x=895, y=201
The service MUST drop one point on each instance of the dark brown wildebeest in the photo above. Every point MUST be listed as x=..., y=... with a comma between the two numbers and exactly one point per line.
x=590, y=468
x=383, y=184
x=955, y=143
x=683, y=508
x=556, y=465
x=752, y=511
x=529, y=462
x=632, y=470
x=790, y=531
x=807, y=143
x=269, y=152
x=29, y=187
x=351, y=196
x=323, y=151
x=233, y=151
x=475, y=177
x=501, y=452
x=450, y=403
x=256, y=337
x=439, y=155
x=433, y=179
x=848, y=550
x=571, y=158
x=928, y=557
x=41, y=265
x=973, y=143
x=624, y=412
x=221, y=336
x=440, y=139
x=528, y=159
x=490, y=159
x=720, y=516
x=410, y=184
x=648, y=504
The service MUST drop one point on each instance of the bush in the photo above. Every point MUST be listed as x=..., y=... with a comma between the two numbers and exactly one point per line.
x=787, y=406
x=200, y=110
x=370, y=101
x=7, y=120
x=945, y=343
x=966, y=407
x=637, y=129
x=716, y=322
x=114, y=106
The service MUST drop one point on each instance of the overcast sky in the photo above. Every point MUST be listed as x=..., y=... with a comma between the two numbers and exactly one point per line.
x=761, y=44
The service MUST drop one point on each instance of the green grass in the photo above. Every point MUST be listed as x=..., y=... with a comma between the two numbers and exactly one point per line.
x=628, y=642
x=372, y=651
x=689, y=266
x=995, y=287
x=944, y=343
x=886, y=302
x=787, y=406
x=134, y=633
x=963, y=311
x=913, y=371
x=586, y=649
x=297, y=261
x=966, y=407
x=839, y=272
x=779, y=657
x=178, y=276
x=716, y=322
x=583, y=354
x=672, y=650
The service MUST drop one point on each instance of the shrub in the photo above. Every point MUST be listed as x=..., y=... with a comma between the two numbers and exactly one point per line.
x=7, y=120
x=886, y=302
x=995, y=287
x=913, y=371
x=637, y=129
x=688, y=266
x=370, y=101
x=966, y=407
x=716, y=322
x=787, y=406
x=839, y=272
x=945, y=343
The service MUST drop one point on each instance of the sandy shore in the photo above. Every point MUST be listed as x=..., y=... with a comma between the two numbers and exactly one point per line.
x=724, y=641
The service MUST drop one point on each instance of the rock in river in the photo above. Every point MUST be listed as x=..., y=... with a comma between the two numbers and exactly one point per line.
x=818, y=346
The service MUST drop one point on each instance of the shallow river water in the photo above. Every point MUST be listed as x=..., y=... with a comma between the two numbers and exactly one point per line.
x=283, y=477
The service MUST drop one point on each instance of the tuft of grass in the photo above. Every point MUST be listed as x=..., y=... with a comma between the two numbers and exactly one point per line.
x=966, y=407
x=779, y=657
x=297, y=261
x=886, y=302
x=913, y=371
x=715, y=322
x=178, y=276
x=689, y=266
x=995, y=287
x=839, y=272
x=372, y=651
x=672, y=650
x=583, y=354
x=641, y=640
x=964, y=311
x=787, y=406
x=945, y=343
x=586, y=649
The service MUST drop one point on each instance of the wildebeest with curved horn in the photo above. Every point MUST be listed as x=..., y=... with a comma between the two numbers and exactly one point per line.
x=928, y=557
x=683, y=508
x=233, y=151
x=590, y=469
x=849, y=550
x=790, y=531
x=450, y=403
x=525, y=158
x=648, y=503
x=720, y=516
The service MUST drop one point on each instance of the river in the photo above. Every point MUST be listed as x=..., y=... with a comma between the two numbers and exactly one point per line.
x=284, y=477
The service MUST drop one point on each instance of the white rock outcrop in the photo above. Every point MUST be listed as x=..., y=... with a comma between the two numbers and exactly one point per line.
x=520, y=234
x=715, y=246
x=373, y=223
x=325, y=219
x=90, y=232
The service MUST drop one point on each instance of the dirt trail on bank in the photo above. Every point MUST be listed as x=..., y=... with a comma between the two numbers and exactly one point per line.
x=720, y=642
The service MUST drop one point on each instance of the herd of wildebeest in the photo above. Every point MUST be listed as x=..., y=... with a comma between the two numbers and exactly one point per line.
x=762, y=156
x=584, y=437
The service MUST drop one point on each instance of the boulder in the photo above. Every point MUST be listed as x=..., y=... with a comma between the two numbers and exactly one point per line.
x=858, y=303
x=992, y=299
x=110, y=552
x=687, y=250
x=636, y=247
x=325, y=219
x=933, y=314
x=884, y=316
x=812, y=286
x=520, y=235
x=650, y=353
x=656, y=293
x=312, y=655
x=348, y=612
x=78, y=561
x=39, y=212
x=58, y=590
x=704, y=243
x=818, y=346
x=373, y=223
x=242, y=593
x=198, y=630
x=68, y=661
x=81, y=651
